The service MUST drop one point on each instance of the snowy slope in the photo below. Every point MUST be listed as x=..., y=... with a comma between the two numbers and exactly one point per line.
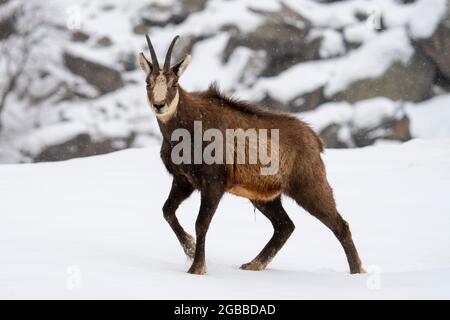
x=93, y=228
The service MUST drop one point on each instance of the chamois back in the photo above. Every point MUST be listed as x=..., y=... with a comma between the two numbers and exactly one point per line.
x=246, y=107
x=220, y=99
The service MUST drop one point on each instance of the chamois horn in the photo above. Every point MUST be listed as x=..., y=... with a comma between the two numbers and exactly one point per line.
x=153, y=55
x=169, y=54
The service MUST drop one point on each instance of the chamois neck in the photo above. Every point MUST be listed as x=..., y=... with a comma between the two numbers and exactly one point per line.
x=179, y=119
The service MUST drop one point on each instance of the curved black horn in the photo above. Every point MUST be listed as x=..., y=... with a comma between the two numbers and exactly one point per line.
x=169, y=54
x=153, y=54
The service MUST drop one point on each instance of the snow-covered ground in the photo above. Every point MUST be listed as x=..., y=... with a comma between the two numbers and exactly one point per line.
x=93, y=228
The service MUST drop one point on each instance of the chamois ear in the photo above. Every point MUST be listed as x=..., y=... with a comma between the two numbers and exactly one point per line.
x=179, y=67
x=146, y=66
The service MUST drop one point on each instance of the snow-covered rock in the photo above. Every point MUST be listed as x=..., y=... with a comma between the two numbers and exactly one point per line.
x=295, y=55
x=344, y=125
x=437, y=47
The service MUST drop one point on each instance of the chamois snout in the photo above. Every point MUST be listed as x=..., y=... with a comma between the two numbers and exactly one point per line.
x=159, y=106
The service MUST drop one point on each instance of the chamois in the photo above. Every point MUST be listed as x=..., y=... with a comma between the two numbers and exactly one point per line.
x=301, y=174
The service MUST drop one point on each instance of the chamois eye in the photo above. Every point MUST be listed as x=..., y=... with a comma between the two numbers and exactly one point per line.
x=174, y=83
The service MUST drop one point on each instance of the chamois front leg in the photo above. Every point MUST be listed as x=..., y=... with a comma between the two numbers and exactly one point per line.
x=181, y=190
x=210, y=198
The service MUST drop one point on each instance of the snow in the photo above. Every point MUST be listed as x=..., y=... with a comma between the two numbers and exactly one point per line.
x=93, y=228
x=362, y=115
x=420, y=17
x=213, y=17
x=359, y=33
x=328, y=113
x=334, y=15
x=207, y=62
x=378, y=51
x=370, y=113
x=335, y=75
x=307, y=77
x=332, y=44
x=430, y=119
x=57, y=134
x=371, y=60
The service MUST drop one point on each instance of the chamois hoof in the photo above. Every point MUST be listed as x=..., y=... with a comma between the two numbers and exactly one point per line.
x=198, y=270
x=253, y=266
x=358, y=271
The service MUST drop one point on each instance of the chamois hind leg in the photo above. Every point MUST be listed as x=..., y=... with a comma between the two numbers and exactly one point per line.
x=283, y=228
x=181, y=190
x=316, y=197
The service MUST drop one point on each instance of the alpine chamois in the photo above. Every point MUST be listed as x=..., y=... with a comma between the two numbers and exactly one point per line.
x=301, y=173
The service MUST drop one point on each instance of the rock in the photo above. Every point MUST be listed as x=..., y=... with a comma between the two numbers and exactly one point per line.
x=340, y=136
x=7, y=26
x=160, y=15
x=411, y=82
x=363, y=123
x=140, y=29
x=399, y=130
x=332, y=138
x=253, y=68
x=284, y=38
x=104, y=78
x=273, y=104
x=79, y=36
x=307, y=101
x=81, y=146
x=107, y=7
x=128, y=61
x=104, y=42
x=389, y=129
x=437, y=48
x=186, y=45
x=284, y=45
x=304, y=102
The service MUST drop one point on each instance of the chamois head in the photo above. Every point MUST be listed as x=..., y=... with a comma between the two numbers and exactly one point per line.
x=162, y=84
